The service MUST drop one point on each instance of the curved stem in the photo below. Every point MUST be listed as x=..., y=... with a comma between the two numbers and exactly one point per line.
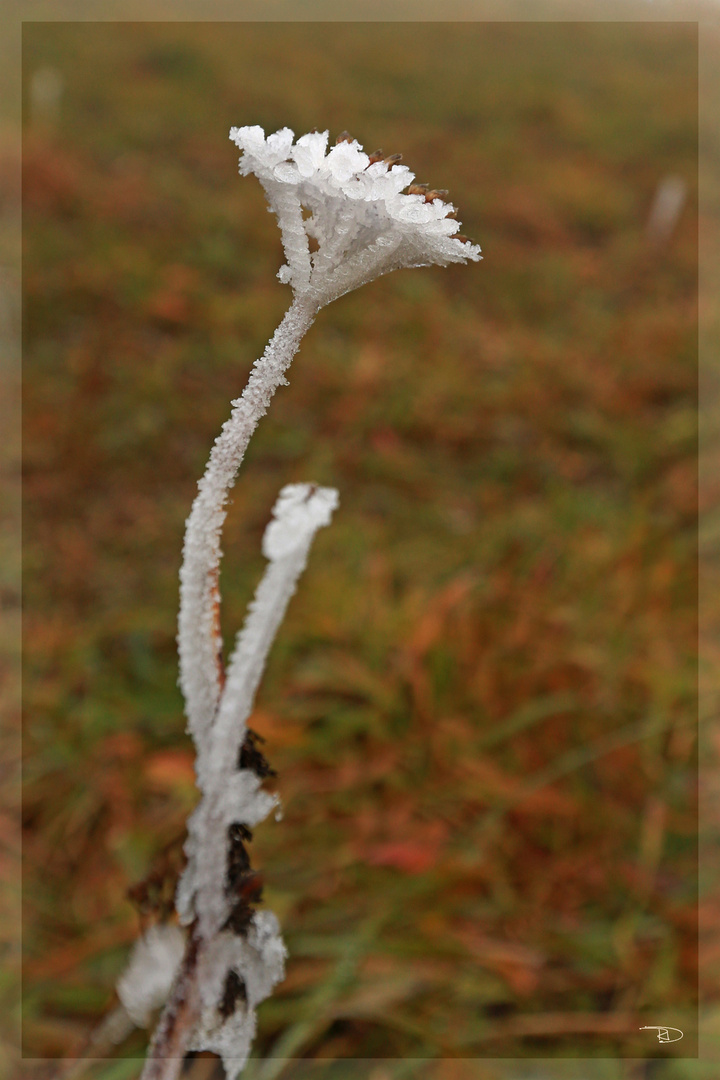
x=199, y=640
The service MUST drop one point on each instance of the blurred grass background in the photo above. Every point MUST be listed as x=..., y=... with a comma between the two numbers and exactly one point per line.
x=481, y=705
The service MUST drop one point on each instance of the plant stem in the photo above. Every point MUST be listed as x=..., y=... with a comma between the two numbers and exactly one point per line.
x=199, y=638
x=169, y=1044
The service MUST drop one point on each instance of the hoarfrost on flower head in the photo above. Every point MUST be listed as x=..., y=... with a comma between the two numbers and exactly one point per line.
x=309, y=153
x=364, y=222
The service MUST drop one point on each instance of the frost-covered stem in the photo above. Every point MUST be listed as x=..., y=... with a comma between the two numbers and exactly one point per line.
x=216, y=762
x=218, y=774
x=199, y=640
x=173, y=1034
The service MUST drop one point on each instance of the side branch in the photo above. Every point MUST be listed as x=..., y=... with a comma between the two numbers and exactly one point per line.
x=230, y=792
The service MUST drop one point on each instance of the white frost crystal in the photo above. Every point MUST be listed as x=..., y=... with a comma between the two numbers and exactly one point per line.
x=154, y=962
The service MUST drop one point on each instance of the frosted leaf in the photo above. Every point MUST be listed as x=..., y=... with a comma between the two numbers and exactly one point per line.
x=154, y=962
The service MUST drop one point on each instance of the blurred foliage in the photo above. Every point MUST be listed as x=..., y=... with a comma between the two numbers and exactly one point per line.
x=482, y=703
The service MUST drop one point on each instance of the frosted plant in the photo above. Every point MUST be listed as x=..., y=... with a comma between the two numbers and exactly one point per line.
x=346, y=217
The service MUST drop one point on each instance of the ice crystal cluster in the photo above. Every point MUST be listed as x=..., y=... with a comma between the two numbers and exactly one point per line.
x=346, y=217
x=356, y=212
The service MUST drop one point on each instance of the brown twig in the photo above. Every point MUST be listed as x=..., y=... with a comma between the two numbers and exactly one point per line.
x=214, y=579
x=169, y=1044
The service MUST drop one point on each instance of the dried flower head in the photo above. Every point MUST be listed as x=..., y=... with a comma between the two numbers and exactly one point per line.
x=356, y=211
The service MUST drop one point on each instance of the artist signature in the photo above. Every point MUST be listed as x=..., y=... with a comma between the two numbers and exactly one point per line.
x=664, y=1035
